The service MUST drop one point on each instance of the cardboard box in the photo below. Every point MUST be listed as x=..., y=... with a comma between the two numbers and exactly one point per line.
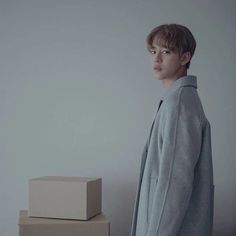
x=65, y=197
x=30, y=226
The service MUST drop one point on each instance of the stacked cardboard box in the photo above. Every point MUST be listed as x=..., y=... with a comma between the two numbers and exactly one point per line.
x=64, y=206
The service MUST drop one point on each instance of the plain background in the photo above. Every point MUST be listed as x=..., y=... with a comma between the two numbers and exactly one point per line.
x=77, y=97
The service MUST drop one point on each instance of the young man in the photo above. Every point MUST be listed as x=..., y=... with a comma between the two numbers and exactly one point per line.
x=175, y=193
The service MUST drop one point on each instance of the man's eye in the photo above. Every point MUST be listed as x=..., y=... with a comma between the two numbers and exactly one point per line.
x=166, y=51
x=152, y=52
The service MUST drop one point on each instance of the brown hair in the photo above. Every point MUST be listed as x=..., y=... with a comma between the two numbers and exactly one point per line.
x=174, y=37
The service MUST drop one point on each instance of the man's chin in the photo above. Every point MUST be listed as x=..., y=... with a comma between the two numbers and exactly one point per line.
x=159, y=77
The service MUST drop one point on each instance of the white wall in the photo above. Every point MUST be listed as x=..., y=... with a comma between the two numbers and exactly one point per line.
x=77, y=95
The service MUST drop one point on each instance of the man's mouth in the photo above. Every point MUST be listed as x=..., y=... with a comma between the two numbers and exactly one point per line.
x=157, y=68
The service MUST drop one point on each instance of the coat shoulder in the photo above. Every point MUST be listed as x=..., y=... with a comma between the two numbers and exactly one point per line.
x=185, y=100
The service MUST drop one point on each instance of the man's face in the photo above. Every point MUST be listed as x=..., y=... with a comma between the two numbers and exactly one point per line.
x=167, y=65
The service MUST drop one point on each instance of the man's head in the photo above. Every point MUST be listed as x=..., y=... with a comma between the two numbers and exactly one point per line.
x=175, y=37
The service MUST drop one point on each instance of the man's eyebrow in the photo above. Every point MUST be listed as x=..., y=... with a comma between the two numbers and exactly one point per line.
x=162, y=47
x=152, y=47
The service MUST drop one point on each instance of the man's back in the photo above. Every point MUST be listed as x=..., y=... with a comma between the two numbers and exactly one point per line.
x=175, y=194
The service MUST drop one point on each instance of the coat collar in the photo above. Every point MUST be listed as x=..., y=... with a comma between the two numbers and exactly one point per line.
x=188, y=80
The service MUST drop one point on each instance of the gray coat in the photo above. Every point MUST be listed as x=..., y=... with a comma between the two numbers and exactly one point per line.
x=175, y=193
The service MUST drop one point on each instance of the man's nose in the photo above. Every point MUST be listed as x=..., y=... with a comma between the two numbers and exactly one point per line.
x=158, y=57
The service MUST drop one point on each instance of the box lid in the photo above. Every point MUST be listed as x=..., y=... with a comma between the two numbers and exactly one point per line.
x=66, y=178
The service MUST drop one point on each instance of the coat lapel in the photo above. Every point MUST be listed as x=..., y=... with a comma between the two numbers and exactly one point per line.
x=154, y=121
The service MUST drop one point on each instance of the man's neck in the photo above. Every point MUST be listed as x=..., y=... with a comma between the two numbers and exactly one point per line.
x=168, y=82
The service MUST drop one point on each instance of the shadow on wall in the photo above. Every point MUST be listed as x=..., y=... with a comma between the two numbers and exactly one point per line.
x=224, y=218
x=225, y=232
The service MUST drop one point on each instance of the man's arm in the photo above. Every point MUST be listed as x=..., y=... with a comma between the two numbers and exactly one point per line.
x=180, y=151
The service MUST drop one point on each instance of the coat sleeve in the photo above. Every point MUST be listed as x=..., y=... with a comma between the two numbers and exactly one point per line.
x=181, y=145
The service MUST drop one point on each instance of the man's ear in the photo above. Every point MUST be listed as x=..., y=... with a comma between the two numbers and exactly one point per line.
x=185, y=58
